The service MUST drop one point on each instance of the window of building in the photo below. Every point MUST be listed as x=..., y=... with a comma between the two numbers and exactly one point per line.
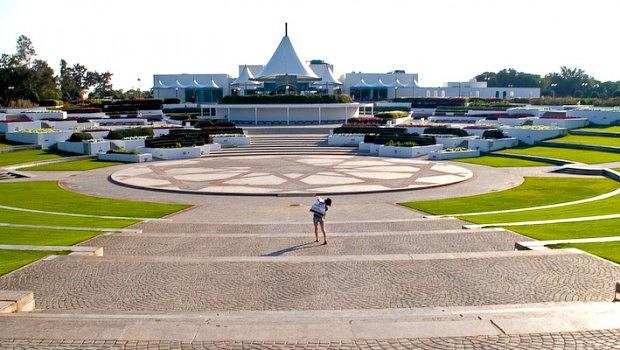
x=443, y=93
x=428, y=93
x=435, y=94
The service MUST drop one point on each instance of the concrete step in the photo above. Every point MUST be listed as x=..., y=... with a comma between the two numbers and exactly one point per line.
x=283, y=227
x=302, y=244
x=270, y=130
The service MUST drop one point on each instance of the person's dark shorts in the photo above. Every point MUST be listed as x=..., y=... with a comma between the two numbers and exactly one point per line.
x=317, y=219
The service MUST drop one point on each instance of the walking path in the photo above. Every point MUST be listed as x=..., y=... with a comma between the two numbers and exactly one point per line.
x=244, y=272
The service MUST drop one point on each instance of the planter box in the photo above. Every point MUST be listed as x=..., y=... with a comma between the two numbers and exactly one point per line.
x=490, y=145
x=90, y=148
x=18, y=126
x=174, y=153
x=476, y=132
x=531, y=136
x=98, y=134
x=513, y=121
x=127, y=158
x=231, y=140
x=453, y=141
x=345, y=140
x=60, y=124
x=416, y=129
x=129, y=145
x=597, y=116
x=407, y=152
x=43, y=139
x=563, y=123
x=441, y=155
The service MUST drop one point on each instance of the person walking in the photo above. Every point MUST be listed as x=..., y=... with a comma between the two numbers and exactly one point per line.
x=319, y=210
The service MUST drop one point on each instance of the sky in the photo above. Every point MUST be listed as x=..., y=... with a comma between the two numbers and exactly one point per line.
x=441, y=40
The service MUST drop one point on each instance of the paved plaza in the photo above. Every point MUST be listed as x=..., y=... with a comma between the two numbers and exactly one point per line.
x=308, y=174
x=243, y=272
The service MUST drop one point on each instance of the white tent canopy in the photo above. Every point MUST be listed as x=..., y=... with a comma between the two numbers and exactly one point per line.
x=245, y=78
x=326, y=75
x=286, y=62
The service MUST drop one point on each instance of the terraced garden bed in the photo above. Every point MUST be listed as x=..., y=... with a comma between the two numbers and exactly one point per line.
x=499, y=161
x=575, y=155
x=75, y=165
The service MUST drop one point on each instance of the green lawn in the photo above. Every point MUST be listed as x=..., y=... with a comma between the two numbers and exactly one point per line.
x=74, y=165
x=603, y=128
x=535, y=191
x=590, y=140
x=584, y=229
x=25, y=156
x=14, y=259
x=602, y=207
x=575, y=155
x=499, y=161
x=47, y=195
x=26, y=218
x=35, y=236
x=607, y=250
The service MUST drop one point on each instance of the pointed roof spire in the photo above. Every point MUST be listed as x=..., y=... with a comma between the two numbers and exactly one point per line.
x=285, y=29
x=286, y=62
x=245, y=78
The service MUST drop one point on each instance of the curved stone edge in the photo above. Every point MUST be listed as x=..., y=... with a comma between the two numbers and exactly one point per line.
x=555, y=161
x=43, y=162
x=16, y=301
x=115, y=181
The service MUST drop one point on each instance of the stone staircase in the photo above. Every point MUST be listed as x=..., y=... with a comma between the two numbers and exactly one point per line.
x=286, y=144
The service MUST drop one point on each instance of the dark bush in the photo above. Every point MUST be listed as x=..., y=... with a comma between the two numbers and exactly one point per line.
x=120, y=134
x=493, y=134
x=182, y=110
x=83, y=110
x=431, y=102
x=284, y=99
x=445, y=131
x=206, y=123
x=172, y=101
x=80, y=136
x=50, y=103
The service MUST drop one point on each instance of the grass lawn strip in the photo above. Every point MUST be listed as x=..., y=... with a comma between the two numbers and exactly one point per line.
x=590, y=140
x=14, y=259
x=35, y=236
x=575, y=155
x=48, y=196
x=26, y=156
x=602, y=128
x=602, y=207
x=26, y=218
x=74, y=165
x=499, y=161
x=535, y=191
x=570, y=230
x=607, y=250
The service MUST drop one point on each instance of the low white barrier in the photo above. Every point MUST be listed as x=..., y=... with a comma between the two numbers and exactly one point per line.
x=129, y=145
x=174, y=153
x=490, y=145
x=85, y=147
x=18, y=126
x=43, y=139
x=237, y=140
x=407, y=152
x=443, y=155
x=476, y=132
x=531, y=135
x=60, y=124
x=345, y=140
x=597, y=116
x=126, y=157
x=449, y=141
x=563, y=123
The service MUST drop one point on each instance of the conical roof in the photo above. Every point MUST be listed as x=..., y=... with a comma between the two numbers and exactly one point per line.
x=286, y=62
x=245, y=78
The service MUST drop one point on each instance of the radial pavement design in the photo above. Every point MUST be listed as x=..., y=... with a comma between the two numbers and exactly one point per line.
x=274, y=175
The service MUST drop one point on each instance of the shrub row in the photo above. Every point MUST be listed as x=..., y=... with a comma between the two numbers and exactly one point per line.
x=82, y=110
x=120, y=134
x=285, y=99
x=80, y=136
x=205, y=123
x=431, y=102
x=392, y=115
x=445, y=131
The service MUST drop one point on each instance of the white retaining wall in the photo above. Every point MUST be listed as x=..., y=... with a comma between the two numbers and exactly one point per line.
x=129, y=145
x=90, y=148
x=127, y=158
x=442, y=155
x=531, y=136
x=345, y=140
x=597, y=116
x=174, y=153
x=44, y=139
x=452, y=141
x=18, y=126
x=60, y=124
x=563, y=123
x=407, y=152
x=231, y=140
x=490, y=145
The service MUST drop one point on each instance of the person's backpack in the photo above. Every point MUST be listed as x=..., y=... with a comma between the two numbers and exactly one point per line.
x=318, y=208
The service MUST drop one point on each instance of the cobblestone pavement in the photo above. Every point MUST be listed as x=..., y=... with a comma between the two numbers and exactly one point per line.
x=600, y=339
x=194, y=245
x=141, y=285
x=272, y=228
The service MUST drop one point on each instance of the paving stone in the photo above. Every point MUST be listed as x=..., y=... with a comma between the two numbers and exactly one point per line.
x=599, y=339
x=103, y=284
x=204, y=246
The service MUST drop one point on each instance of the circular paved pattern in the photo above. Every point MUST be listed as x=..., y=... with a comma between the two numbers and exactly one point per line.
x=273, y=175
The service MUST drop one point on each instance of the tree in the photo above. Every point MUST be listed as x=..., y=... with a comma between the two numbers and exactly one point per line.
x=77, y=79
x=509, y=77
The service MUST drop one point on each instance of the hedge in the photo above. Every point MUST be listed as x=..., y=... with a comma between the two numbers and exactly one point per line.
x=82, y=110
x=172, y=101
x=80, y=136
x=445, y=131
x=493, y=134
x=392, y=115
x=431, y=102
x=205, y=123
x=120, y=134
x=49, y=103
x=286, y=99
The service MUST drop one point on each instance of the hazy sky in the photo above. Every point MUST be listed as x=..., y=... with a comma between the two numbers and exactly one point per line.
x=442, y=40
